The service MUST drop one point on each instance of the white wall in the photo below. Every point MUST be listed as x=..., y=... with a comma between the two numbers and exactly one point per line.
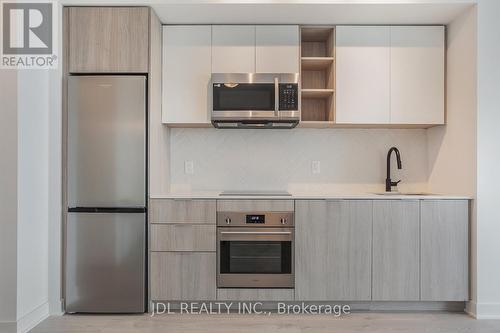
x=488, y=160
x=352, y=160
x=33, y=197
x=8, y=198
x=452, y=149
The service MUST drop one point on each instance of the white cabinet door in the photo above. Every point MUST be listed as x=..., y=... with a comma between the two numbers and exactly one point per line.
x=363, y=74
x=186, y=74
x=277, y=49
x=233, y=49
x=417, y=75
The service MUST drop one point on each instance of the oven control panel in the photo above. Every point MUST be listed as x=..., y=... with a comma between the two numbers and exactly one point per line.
x=288, y=96
x=252, y=219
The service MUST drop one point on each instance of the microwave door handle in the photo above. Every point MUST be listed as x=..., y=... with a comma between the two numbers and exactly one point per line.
x=276, y=97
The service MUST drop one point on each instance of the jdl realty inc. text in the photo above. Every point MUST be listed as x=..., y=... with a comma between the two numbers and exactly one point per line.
x=258, y=308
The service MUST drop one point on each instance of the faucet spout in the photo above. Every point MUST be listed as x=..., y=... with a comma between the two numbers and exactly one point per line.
x=388, y=182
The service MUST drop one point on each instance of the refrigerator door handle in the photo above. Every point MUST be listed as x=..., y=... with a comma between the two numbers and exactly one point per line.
x=110, y=210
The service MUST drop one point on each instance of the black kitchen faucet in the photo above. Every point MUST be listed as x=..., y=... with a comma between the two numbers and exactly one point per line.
x=388, y=182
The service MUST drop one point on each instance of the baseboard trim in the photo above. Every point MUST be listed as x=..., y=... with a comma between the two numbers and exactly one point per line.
x=56, y=308
x=485, y=310
x=33, y=318
x=470, y=309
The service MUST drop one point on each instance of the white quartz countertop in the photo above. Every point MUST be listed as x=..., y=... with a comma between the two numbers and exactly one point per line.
x=312, y=196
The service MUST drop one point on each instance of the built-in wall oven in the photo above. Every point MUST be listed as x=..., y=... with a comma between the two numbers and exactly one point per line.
x=255, y=250
x=255, y=100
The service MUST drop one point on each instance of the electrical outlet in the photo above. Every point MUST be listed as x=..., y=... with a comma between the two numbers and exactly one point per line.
x=316, y=167
x=188, y=167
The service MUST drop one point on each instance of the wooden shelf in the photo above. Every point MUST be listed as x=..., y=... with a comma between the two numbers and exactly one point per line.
x=316, y=63
x=317, y=93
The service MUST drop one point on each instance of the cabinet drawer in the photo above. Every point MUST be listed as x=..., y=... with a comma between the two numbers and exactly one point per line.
x=180, y=211
x=263, y=295
x=183, y=276
x=182, y=237
x=255, y=205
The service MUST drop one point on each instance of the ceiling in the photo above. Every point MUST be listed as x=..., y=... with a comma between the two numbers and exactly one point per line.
x=299, y=11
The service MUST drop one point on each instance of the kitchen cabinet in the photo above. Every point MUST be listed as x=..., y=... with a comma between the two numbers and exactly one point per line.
x=396, y=246
x=108, y=39
x=182, y=211
x=233, y=49
x=363, y=63
x=183, y=276
x=390, y=75
x=444, y=250
x=183, y=245
x=186, y=74
x=417, y=74
x=182, y=237
x=277, y=49
x=333, y=244
x=255, y=49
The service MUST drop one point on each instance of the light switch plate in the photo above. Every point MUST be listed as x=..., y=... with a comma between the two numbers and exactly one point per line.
x=188, y=167
x=316, y=167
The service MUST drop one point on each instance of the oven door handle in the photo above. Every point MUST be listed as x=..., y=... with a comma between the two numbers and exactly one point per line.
x=256, y=232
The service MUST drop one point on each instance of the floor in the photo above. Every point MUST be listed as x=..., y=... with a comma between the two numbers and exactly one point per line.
x=423, y=322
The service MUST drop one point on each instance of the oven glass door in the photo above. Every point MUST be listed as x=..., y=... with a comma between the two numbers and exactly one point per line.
x=255, y=257
x=244, y=97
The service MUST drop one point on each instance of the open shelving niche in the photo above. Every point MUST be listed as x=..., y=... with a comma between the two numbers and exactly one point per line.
x=317, y=76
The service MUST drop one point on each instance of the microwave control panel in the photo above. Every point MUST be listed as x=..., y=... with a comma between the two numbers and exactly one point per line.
x=289, y=96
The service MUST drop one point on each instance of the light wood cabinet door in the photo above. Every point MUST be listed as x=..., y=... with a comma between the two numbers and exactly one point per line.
x=444, y=250
x=183, y=276
x=183, y=237
x=417, y=74
x=182, y=211
x=396, y=246
x=233, y=49
x=333, y=242
x=277, y=49
x=108, y=39
x=187, y=59
x=363, y=74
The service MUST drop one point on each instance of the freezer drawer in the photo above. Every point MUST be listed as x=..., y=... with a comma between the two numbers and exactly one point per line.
x=107, y=141
x=105, y=262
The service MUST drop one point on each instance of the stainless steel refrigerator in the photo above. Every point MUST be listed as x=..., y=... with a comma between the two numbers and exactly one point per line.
x=105, y=257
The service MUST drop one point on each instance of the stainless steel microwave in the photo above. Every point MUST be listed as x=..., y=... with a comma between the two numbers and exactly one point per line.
x=255, y=100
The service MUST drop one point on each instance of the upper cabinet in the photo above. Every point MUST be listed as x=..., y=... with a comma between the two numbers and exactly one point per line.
x=233, y=49
x=255, y=49
x=390, y=75
x=363, y=74
x=108, y=39
x=417, y=75
x=277, y=49
x=186, y=74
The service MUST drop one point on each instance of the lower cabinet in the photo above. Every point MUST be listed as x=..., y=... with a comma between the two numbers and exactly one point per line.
x=181, y=276
x=396, y=246
x=333, y=250
x=444, y=250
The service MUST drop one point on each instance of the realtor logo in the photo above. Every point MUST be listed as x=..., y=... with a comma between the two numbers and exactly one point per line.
x=28, y=35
